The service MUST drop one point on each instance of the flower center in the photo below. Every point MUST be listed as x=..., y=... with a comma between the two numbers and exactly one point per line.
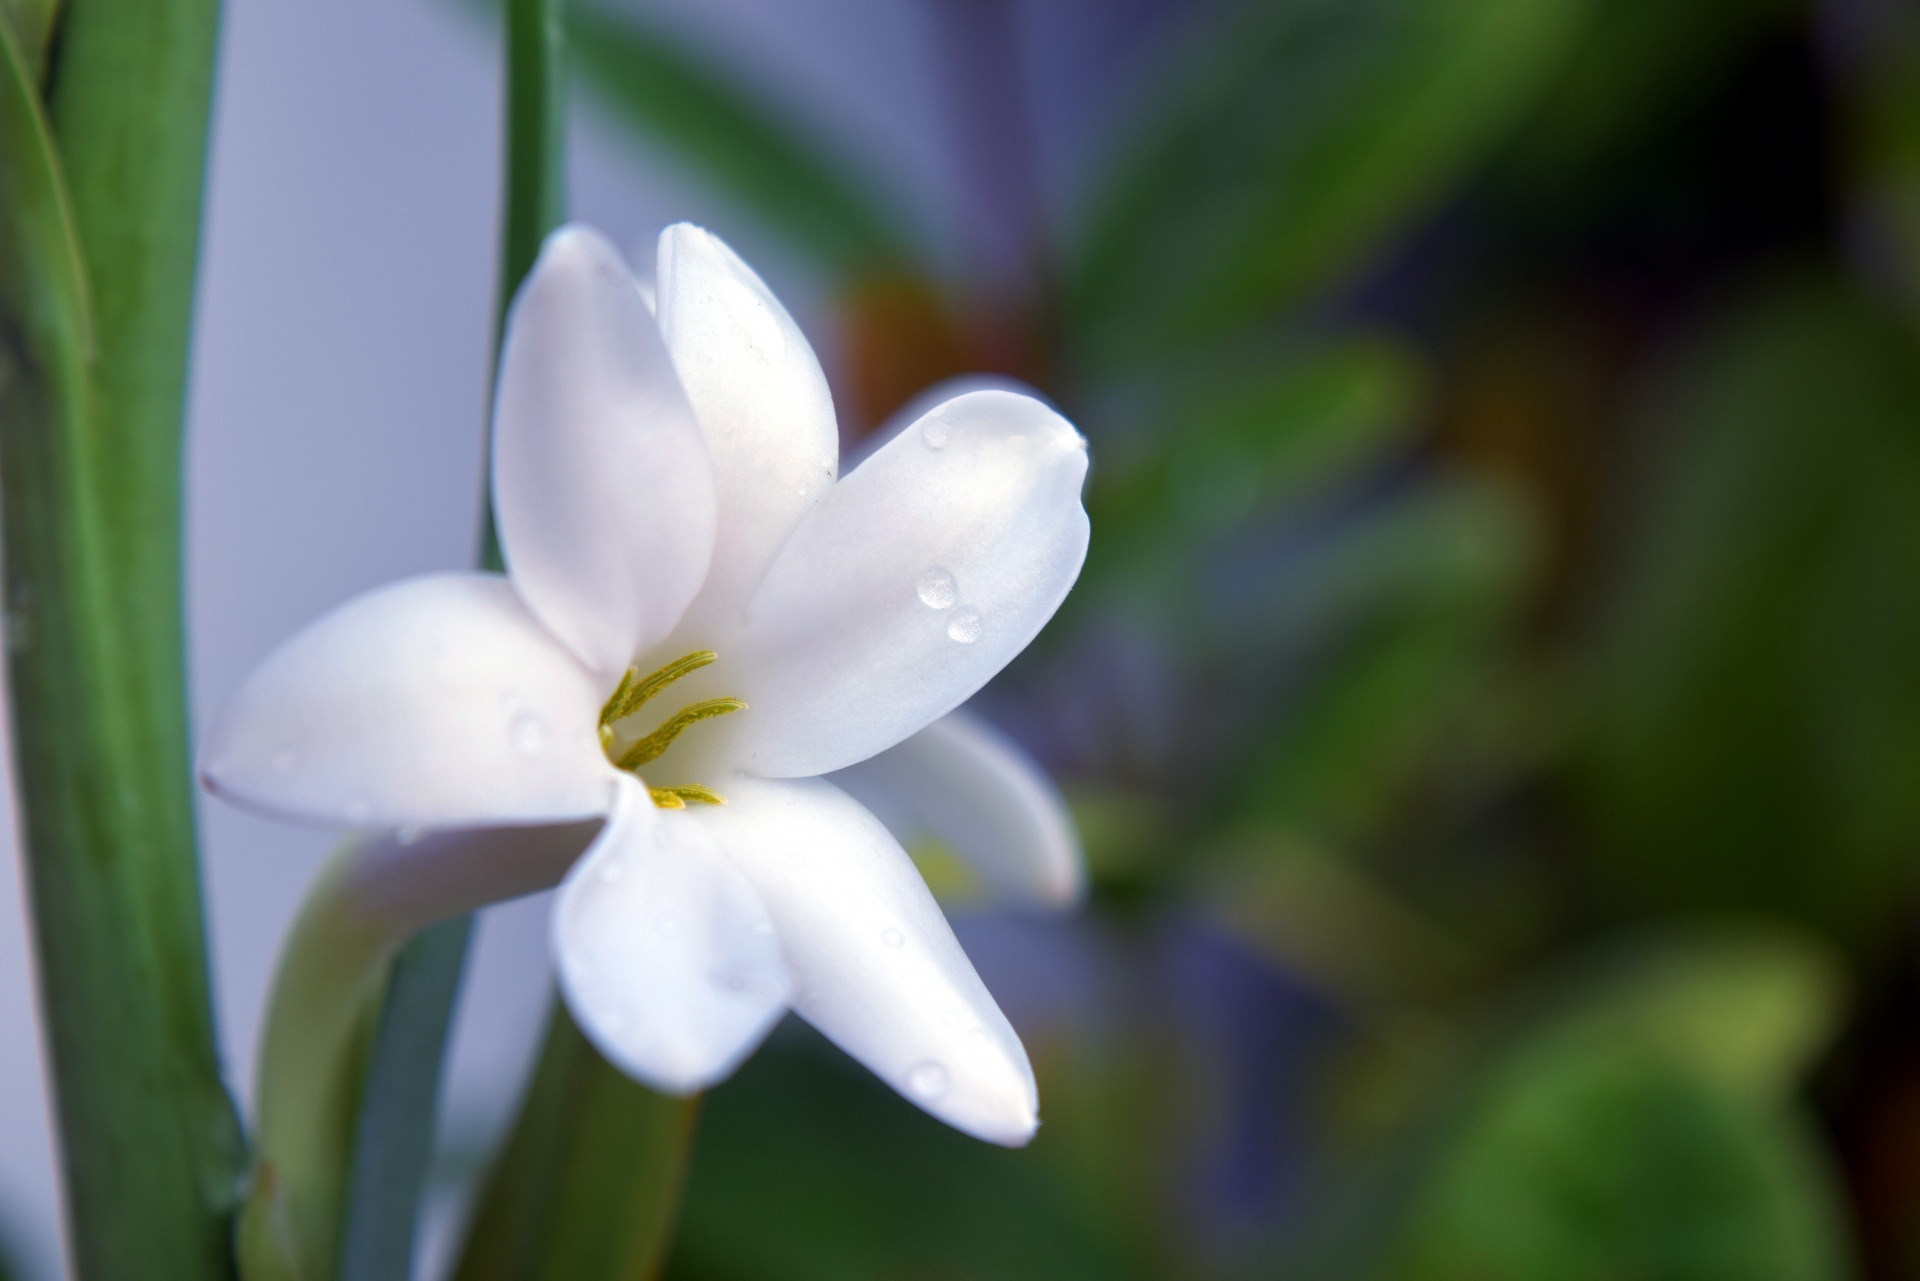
x=632, y=693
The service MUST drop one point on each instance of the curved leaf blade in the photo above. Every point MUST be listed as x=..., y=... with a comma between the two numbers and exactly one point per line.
x=671, y=96
x=1304, y=136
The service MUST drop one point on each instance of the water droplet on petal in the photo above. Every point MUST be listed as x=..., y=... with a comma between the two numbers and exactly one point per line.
x=965, y=626
x=407, y=835
x=529, y=734
x=611, y=872
x=893, y=938
x=936, y=432
x=977, y=1036
x=927, y=1080
x=938, y=590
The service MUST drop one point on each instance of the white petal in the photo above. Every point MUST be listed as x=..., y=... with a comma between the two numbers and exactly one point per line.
x=668, y=960
x=974, y=789
x=406, y=879
x=914, y=581
x=875, y=966
x=761, y=400
x=601, y=480
x=437, y=701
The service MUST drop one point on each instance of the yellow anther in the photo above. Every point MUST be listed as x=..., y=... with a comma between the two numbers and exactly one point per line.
x=635, y=689
x=676, y=798
x=651, y=747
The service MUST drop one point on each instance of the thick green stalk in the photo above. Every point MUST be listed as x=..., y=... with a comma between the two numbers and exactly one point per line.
x=101, y=196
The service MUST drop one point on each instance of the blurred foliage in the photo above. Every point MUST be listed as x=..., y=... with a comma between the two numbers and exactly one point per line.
x=886, y=1192
x=1634, y=1128
x=1757, y=736
x=1496, y=654
x=1300, y=136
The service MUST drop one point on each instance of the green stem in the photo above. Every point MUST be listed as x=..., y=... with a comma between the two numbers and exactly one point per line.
x=393, y=1150
x=359, y=1022
x=393, y=1138
x=535, y=199
x=316, y=1099
x=325, y=994
x=101, y=209
x=589, y=1185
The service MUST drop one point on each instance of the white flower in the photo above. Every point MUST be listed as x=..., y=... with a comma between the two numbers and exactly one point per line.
x=693, y=599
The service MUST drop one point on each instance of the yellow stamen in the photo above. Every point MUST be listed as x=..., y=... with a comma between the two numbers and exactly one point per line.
x=676, y=798
x=634, y=690
x=651, y=747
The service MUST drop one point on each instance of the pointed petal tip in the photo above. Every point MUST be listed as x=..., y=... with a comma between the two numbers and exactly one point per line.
x=1017, y=1134
x=993, y=1102
x=576, y=242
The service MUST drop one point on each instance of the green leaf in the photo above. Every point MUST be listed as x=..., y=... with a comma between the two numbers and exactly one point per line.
x=1637, y=1121
x=30, y=22
x=589, y=1183
x=1301, y=139
x=1756, y=718
x=97, y=249
x=1749, y=1005
x=1600, y=1161
x=673, y=97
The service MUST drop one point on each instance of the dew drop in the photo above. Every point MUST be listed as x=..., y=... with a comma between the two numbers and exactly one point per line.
x=529, y=734
x=611, y=872
x=977, y=1036
x=965, y=626
x=936, y=432
x=407, y=835
x=938, y=590
x=927, y=1080
x=893, y=938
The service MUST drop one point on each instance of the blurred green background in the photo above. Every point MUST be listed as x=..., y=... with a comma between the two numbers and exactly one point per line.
x=1492, y=704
